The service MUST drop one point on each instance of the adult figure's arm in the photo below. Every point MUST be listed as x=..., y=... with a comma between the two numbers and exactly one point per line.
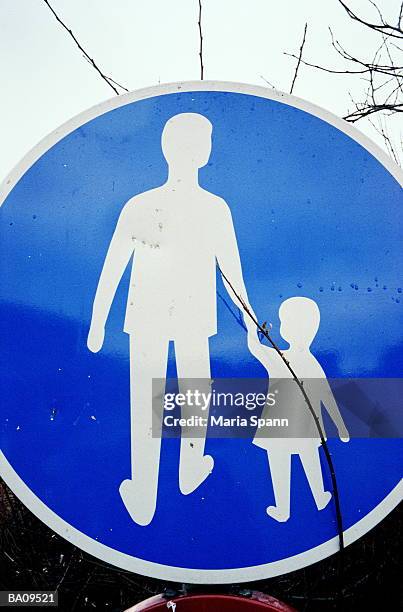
x=229, y=261
x=118, y=255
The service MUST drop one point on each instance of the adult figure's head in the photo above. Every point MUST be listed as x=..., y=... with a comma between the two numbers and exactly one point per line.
x=186, y=141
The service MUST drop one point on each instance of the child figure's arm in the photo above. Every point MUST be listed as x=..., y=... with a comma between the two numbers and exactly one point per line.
x=329, y=402
x=266, y=355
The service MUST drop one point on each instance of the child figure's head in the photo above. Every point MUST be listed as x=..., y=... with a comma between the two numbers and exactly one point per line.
x=299, y=317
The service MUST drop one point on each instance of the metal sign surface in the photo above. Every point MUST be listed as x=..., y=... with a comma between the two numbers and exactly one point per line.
x=114, y=233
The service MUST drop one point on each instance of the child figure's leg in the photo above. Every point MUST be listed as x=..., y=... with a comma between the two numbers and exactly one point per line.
x=280, y=469
x=311, y=462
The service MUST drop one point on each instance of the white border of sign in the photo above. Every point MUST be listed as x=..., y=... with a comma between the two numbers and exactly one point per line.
x=122, y=560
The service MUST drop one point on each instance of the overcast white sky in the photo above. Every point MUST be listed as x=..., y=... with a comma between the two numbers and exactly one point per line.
x=46, y=81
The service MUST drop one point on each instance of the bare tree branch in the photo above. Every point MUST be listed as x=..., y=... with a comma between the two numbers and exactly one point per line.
x=201, y=42
x=365, y=111
x=103, y=76
x=108, y=77
x=116, y=83
x=324, y=69
x=382, y=69
x=383, y=27
x=299, y=59
x=383, y=74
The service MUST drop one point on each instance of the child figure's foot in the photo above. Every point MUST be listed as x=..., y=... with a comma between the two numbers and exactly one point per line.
x=323, y=500
x=277, y=514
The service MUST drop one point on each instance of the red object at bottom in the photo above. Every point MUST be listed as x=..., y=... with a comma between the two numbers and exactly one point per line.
x=212, y=603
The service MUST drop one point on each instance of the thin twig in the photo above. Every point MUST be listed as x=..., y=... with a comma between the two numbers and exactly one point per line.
x=84, y=586
x=118, y=84
x=383, y=77
x=263, y=330
x=324, y=69
x=382, y=131
x=103, y=76
x=109, y=77
x=299, y=59
x=63, y=576
x=360, y=113
x=201, y=42
x=382, y=69
x=267, y=82
x=395, y=31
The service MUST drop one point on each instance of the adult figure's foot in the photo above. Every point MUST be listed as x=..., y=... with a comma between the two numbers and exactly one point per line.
x=192, y=476
x=278, y=514
x=140, y=509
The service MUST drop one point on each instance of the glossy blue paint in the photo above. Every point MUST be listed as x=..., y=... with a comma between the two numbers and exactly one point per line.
x=315, y=215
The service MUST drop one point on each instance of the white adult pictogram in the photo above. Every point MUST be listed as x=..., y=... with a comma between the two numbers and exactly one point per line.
x=176, y=235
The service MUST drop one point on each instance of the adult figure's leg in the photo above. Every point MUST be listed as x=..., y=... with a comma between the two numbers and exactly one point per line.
x=148, y=361
x=193, y=367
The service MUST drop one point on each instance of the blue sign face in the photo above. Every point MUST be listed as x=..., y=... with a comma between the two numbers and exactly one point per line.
x=139, y=244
